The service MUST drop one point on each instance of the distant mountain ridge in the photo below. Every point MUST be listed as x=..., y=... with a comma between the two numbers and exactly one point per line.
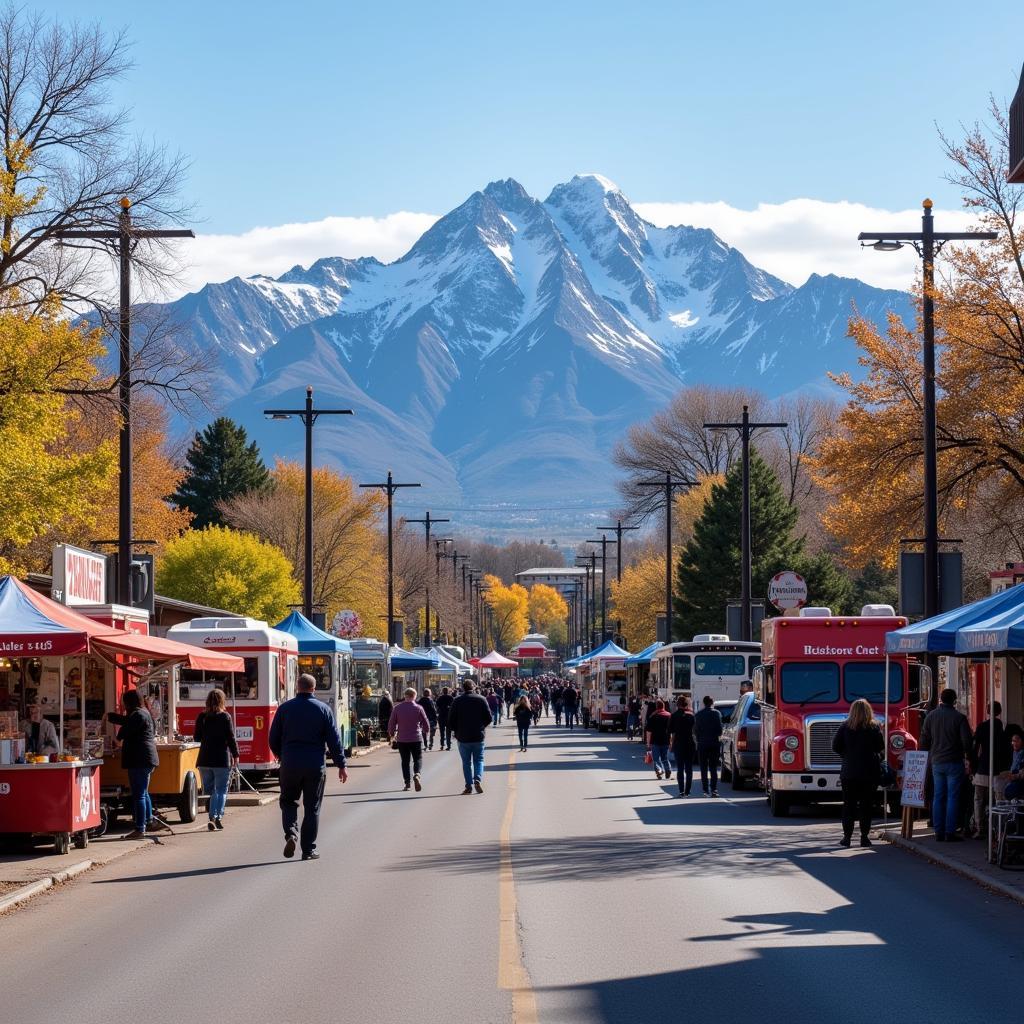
x=502, y=357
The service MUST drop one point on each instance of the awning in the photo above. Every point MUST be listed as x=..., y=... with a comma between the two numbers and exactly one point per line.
x=312, y=639
x=159, y=648
x=998, y=634
x=405, y=661
x=644, y=657
x=938, y=635
x=609, y=649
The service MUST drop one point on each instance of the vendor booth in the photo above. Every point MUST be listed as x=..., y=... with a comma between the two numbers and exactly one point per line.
x=638, y=669
x=63, y=669
x=496, y=664
x=403, y=663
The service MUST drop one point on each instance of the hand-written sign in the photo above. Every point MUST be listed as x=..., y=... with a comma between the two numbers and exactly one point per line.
x=915, y=768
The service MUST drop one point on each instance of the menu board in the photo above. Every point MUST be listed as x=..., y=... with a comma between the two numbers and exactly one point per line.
x=915, y=769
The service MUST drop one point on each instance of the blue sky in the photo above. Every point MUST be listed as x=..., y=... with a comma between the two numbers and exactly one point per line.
x=295, y=113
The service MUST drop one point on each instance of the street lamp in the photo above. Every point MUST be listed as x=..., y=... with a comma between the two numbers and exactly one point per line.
x=389, y=487
x=927, y=243
x=124, y=239
x=309, y=416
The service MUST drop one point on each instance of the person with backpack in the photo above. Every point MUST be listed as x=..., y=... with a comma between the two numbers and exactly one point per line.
x=218, y=753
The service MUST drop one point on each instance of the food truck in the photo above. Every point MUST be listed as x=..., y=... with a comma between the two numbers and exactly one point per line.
x=601, y=675
x=815, y=665
x=328, y=659
x=267, y=680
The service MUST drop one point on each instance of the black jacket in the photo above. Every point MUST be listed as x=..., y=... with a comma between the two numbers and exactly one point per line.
x=444, y=706
x=469, y=717
x=681, y=729
x=524, y=716
x=215, y=734
x=946, y=735
x=980, y=752
x=384, y=710
x=570, y=698
x=428, y=705
x=302, y=729
x=707, y=727
x=859, y=749
x=138, y=745
x=658, y=728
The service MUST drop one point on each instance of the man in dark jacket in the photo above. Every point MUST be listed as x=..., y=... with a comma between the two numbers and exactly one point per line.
x=468, y=720
x=138, y=758
x=570, y=705
x=384, y=709
x=947, y=738
x=683, y=748
x=444, y=706
x=302, y=728
x=707, y=731
x=657, y=737
x=427, y=703
x=981, y=752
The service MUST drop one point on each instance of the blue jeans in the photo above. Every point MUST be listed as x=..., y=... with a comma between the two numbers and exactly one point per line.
x=570, y=717
x=660, y=754
x=215, y=784
x=472, y=755
x=946, y=801
x=142, y=806
x=495, y=716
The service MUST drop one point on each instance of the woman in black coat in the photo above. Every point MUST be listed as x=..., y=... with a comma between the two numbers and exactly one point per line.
x=138, y=757
x=218, y=752
x=860, y=744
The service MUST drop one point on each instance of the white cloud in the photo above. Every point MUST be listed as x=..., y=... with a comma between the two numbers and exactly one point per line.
x=803, y=236
x=273, y=250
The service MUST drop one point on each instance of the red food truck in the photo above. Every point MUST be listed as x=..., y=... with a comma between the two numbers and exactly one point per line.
x=814, y=666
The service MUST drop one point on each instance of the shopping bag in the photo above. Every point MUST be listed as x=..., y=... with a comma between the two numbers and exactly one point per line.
x=648, y=758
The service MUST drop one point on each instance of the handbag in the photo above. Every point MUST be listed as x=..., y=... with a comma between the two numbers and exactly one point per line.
x=648, y=758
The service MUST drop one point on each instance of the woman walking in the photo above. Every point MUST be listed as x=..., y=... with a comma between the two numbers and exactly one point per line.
x=218, y=754
x=860, y=744
x=524, y=718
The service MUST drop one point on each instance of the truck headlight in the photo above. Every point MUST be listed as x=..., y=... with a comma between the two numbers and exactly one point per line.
x=897, y=741
x=787, y=757
x=792, y=742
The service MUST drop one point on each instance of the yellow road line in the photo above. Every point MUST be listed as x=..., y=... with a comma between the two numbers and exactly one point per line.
x=512, y=973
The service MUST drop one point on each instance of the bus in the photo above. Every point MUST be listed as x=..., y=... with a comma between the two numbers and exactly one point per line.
x=709, y=665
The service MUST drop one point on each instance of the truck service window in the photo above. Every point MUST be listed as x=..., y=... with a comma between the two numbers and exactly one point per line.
x=615, y=682
x=719, y=665
x=809, y=682
x=864, y=679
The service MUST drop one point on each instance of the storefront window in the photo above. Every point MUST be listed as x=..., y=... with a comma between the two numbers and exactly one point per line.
x=863, y=679
x=809, y=682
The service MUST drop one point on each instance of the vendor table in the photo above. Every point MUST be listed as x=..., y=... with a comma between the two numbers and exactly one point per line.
x=59, y=798
x=174, y=781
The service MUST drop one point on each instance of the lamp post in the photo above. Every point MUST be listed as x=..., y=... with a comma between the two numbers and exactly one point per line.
x=389, y=487
x=670, y=485
x=927, y=243
x=309, y=416
x=123, y=241
x=746, y=429
x=427, y=522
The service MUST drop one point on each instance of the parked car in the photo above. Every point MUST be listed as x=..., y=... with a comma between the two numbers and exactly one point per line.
x=741, y=742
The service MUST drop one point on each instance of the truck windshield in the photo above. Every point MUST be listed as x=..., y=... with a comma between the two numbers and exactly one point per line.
x=863, y=679
x=809, y=682
x=319, y=667
x=368, y=674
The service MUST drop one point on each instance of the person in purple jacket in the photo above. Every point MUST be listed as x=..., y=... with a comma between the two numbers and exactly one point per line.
x=409, y=725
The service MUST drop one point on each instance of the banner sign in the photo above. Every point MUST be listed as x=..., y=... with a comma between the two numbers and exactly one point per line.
x=915, y=768
x=79, y=576
x=787, y=590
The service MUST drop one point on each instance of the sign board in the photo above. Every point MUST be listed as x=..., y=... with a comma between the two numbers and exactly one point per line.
x=915, y=768
x=734, y=619
x=787, y=590
x=79, y=576
x=911, y=582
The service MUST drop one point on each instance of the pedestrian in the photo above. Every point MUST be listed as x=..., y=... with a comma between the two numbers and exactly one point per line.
x=302, y=730
x=545, y=696
x=535, y=706
x=859, y=742
x=570, y=705
x=632, y=716
x=430, y=707
x=468, y=719
x=218, y=754
x=509, y=695
x=656, y=735
x=138, y=758
x=980, y=754
x=444, y=706
x=384, y=709
x=682, y=743
x=408, y=726
x=524, y=715
x=947, y=738
x=557, y=697
x=707, y=731
x=494, y=706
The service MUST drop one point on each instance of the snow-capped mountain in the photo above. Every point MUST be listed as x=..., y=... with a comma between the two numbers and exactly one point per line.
x=502, y=357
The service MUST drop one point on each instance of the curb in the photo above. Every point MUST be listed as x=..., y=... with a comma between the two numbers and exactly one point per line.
x=964, y=870
x=34, y=888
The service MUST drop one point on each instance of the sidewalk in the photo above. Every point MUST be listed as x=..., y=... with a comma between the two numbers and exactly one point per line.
x=967, y=859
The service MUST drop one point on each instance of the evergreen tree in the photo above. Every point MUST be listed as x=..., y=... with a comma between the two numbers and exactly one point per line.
x=220, y=465
x=875, y=585
x=827, y=583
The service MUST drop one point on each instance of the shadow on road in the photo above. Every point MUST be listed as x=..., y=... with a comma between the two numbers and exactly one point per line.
x=164, y=876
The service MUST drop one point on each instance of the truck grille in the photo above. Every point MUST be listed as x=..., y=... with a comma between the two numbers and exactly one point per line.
x=820, y=736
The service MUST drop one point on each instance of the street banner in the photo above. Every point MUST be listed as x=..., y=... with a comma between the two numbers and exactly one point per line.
x=915, y=767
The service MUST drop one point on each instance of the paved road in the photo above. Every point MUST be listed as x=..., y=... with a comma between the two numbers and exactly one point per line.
x=575, y=889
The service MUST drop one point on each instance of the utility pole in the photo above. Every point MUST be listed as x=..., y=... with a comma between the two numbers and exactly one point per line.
x=604, y=590
x=619, y=529
x=927, y=243
x=389, y=488
x=427, y=522
x=670, y=485
x=123, y=241
x=309, y=416
x=746, y=428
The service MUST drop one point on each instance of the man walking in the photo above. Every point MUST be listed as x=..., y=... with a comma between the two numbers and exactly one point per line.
x=681, y=737
x=444, y=706
x=656, y=734
x=410, y=726
x=707, y=731
x=427, y=703
x=468, y=720
x=947, y=738
x=302, y=728
x=570, y=705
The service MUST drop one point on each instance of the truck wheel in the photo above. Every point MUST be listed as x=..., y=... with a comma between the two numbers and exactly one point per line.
x=81, y=840
x=188, y=801
x=61, y=842
x=779, y=804
x=738, y=782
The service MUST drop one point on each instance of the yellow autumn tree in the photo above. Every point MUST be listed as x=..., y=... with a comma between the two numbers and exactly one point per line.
x=548, y=612
x=349, y=558
x=689, y=505
x=510, y=611
x=638, y=599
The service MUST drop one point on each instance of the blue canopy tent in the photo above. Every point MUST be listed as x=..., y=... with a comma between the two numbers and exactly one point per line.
x=644, y=657
x=405, y=661
x=312, y=639
x=609, y=649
